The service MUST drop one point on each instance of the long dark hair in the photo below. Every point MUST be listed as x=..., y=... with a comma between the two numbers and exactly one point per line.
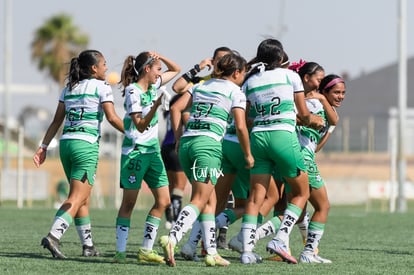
x=81, y=67
x=133, y=68
x=269, y=52
x=309, y=68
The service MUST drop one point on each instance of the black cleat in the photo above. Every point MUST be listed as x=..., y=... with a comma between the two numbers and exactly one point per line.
x=221, y=239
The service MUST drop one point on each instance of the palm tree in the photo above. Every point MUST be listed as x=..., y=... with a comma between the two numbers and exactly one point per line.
x=55, y=43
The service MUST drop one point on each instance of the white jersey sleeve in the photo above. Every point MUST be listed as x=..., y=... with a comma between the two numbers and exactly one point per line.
x=62, y=95
x=105, y=92
x=239, y=100
x=296, y=81
x=132, y=100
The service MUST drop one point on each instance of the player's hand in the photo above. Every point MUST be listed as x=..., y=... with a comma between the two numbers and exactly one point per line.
x=39, y=157
x=315, y=95
x=249, y=161
x=316, y=122
x=208, y=62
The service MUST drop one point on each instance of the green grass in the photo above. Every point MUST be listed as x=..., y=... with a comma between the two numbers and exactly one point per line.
x=356, y=241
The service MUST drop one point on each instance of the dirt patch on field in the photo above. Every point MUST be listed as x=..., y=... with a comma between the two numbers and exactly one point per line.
x=362, y=166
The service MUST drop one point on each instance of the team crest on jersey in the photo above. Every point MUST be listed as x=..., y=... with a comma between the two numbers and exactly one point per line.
x=146, y=98
x=318, y=178
x=132, y=178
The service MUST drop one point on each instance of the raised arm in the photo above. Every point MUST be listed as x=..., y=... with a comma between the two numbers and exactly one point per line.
x=172, y=69
x=183, y=83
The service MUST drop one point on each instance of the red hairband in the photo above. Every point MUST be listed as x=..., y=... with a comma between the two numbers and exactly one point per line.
x=296, y=66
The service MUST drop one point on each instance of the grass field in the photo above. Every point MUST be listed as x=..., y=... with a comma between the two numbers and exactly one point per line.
x=356, y=241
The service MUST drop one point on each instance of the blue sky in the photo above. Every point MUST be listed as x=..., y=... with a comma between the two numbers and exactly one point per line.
x=351, y=36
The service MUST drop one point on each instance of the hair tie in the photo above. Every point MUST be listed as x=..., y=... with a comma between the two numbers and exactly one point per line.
x=296, y=66
x=332, y=83
x=284, y=63
x=133, y=65
x=260, y=66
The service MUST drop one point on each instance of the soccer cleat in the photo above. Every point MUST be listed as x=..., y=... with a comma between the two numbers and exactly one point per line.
x=119, y=258
x=221, y=239
x=250, y=258
x=89, y=251
x=276, y=246
x=215, y=260
x=277, y=258
x=52, y=244
x=236, y=245
x=323, y=260
x=149, y=256
x=189, y=253
x=168, y=246
x=310, y=257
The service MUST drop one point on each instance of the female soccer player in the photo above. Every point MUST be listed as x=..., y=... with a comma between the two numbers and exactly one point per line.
x=200, y=149
x=82, y=104
x=141, y=158
x=273, y=92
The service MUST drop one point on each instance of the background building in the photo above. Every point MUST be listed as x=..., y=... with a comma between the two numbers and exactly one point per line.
x=366, y=116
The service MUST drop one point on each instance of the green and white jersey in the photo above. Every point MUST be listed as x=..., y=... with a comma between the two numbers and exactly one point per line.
x=271, y=97
x=231, y=134
x=213, y=101
x=83, y=106
x=139, y=101
x=308, y=137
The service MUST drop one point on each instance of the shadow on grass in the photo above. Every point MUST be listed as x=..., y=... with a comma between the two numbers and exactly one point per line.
x=393, y=252
x=23, y=255
x=104, y=259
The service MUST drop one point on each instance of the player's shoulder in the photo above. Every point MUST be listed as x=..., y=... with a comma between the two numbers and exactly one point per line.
x=132, y=89
x=99, y=83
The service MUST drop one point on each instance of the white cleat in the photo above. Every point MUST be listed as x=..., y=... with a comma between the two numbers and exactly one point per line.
x=250, y=258
x=310, y=257
x=276, y=246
